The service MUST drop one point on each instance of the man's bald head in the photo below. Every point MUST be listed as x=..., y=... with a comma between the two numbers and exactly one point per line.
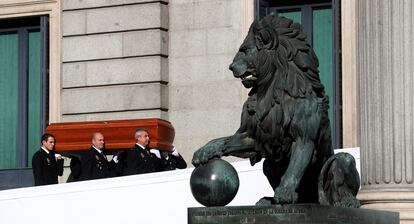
x=141, y=137
x=98, y=140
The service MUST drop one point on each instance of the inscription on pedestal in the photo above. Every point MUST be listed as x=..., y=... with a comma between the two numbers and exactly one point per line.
x=298, y=214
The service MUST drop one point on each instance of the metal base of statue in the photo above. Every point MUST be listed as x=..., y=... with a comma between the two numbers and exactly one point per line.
x=288, y=214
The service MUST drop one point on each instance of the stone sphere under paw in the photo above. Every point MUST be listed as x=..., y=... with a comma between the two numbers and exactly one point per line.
x=215, y=183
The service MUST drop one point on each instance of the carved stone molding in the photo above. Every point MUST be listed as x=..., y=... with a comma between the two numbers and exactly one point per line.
x=17, y=3
x=402, y=202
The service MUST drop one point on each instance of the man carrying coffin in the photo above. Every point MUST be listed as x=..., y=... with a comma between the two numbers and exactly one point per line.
x=46, y=164
x=95, y=165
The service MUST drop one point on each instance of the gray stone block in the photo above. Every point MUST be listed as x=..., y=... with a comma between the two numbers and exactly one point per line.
x=73, y=74
x=74, y=22
x=208, y=124
x=289, y=214
x=141, y=114
x=131, y=17
x=188, y=43
x=81, y=4
x=222, y=11
x=147, y=42
x=222, y=40
x=207, y=96
x=113, y=98
x=201, y=69
x=114, y=45
x=116, y=71
x=189, y=70
x=165, y=16
x=92, y=47
x=181, y=16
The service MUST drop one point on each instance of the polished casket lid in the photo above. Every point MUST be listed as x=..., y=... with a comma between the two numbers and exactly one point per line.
x=119, y=134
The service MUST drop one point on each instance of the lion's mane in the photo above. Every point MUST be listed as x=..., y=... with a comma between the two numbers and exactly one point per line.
x=287, y=71
x=285, y=56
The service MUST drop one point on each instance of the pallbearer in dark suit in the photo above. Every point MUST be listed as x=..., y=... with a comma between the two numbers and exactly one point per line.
x=94, y=162
x=139, y=159
x=172, y=160
x=46, y=164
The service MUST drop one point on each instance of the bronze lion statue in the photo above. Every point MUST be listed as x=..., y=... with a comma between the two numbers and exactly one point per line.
x=285, y=119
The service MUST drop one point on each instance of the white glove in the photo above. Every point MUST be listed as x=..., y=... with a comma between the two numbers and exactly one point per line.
x=174, y=152
x=115, y=159
x=58, y=156
x=156, y=152
x=165, y=155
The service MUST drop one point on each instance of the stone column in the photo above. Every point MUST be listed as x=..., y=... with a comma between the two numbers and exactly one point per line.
x=349, y=77
x=386, y=104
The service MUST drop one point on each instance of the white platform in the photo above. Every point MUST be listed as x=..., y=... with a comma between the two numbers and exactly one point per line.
x=144, y=199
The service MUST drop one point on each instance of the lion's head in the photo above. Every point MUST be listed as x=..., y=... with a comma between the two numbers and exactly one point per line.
x=275, y=52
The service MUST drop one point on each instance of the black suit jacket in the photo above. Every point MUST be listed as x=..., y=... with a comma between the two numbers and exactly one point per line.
x=95, y=165
x=45, y=168
x=173, y=162
x=139, y=160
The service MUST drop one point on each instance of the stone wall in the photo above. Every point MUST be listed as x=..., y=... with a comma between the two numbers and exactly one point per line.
x=114, y=59
x=168, y=59
x=205, y=99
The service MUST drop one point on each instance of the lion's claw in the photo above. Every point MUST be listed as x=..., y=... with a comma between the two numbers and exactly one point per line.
x=213, y=149
x=266, y=201
x=285, y=195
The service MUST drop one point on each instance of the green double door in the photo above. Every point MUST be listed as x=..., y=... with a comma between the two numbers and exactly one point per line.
x=317, y=20
x=20, y=95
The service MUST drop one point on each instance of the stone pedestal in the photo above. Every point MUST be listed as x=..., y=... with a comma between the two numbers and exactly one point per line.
x=386, y=105
x=289, y=214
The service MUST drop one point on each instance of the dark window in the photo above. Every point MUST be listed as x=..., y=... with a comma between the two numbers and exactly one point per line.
x=23, y=96
x=320, y=21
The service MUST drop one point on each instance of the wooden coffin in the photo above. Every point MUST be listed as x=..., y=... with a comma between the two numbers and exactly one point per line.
x=119, y=134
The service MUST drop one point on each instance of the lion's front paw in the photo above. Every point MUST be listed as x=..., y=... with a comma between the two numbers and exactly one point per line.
x=266, y=201
x=213, y=149
x=285, y=195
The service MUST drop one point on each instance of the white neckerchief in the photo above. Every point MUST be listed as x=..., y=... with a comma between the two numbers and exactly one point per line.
x=47, y=151
x=140, y=145
x=100, y=151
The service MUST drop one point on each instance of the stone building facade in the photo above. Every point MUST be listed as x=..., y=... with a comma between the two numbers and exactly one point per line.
x=131, y=59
